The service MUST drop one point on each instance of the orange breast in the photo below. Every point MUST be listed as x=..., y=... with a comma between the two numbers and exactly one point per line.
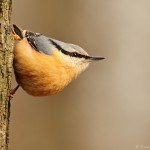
x=40, y=74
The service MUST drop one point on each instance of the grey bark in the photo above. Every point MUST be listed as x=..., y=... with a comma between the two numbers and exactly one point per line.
x=6, y=56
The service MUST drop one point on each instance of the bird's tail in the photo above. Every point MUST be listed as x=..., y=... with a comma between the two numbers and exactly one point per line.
x=17, y=32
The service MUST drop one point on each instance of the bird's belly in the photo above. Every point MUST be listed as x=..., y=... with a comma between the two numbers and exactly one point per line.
x=40, y=74
x=37, y=81
x=39, y=85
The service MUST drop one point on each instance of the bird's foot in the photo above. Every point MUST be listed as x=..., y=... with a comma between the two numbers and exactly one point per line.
x=13, y=91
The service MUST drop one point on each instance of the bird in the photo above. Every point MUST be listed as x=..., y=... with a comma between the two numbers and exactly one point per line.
x=44, y=66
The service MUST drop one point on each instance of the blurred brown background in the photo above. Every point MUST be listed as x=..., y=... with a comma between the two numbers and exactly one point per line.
x=108, y=106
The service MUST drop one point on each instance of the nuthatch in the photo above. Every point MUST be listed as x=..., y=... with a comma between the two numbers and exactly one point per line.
x=44, y=66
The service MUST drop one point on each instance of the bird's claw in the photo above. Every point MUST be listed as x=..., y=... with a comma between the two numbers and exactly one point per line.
x=13, y=91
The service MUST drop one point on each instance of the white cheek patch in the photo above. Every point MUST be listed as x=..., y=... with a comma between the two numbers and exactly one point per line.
x=79, y=63
x=73, y=61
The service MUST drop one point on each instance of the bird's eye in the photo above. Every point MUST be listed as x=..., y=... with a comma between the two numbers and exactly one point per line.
x=75, y=54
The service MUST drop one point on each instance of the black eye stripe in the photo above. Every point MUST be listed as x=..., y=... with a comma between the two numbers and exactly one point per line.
x=72, y=54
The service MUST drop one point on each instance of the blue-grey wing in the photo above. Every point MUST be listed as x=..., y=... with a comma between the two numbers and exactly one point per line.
x=47, y=45
x=40, y=42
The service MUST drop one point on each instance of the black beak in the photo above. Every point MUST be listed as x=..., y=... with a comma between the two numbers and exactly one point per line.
x=94, y=58
x=18, y=31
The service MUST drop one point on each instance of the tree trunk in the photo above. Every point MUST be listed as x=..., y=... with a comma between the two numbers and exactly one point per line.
x=6, y=55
